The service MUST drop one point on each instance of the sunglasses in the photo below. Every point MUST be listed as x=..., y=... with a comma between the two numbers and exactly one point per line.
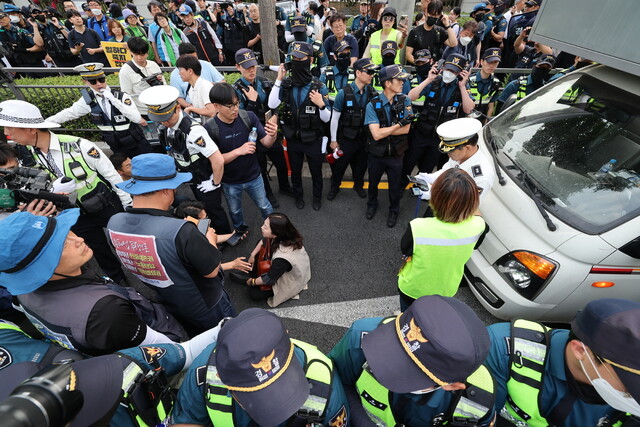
x=370, y=72
x=3, y=15
x=388, y=18
x=98, y=80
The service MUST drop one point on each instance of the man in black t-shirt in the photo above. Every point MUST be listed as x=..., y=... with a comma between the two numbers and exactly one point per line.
x=231, y=130
x=85, y=41
x=431, y=36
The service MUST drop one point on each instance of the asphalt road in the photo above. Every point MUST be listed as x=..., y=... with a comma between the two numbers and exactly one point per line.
x=354, y=263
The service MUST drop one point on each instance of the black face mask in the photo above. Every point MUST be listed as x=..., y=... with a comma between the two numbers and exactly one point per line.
x=301, y=72
x=581, y=64
x=343, y=62
x=431, y=21
x=300, y=37
x=479, y=16
x=388, y=60
x=423, y=70
x=41, y=18
x=538, y=75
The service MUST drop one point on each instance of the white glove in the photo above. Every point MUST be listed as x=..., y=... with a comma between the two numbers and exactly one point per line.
x=207, y=186
x=63, y=187
x=107, y=94
x=426, y=177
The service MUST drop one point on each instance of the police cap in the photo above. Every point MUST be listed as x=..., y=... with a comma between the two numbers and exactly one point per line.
x=90, y=70
x=393, y=72
x=457, y=132
x=389, y=46
x=341, y=45
x=246, y=58
x=298, y=24
x=422, y=56
x=455, y=62
x=161, y=101
x=363, y=64
x=301, y=49
x=492, y=54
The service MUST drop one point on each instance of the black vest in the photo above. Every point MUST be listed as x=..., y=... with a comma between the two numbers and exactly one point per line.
x=393, y=145
x=434, y=112
x=202, y=40
x=258, y=107
x=56, y=46
x=176, y=147
x=300, y=122
x=351, y=124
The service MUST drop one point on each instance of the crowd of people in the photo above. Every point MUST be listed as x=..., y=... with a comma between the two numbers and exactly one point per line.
x=156, y=212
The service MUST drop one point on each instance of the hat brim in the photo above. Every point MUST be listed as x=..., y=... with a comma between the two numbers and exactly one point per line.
x=631, y=382
x=421, y=61
x=40, y=270
x=136, y=187
x=44, y=125
x=16, y=374
x=298, y=28
x=545, y=63
x=452, y=67
x=105, y=372
x=386, y=51
x=163, y=116
x=249, y=63
x=381, y=346
x=280, y=400
x=492, y=59
x=444, y=148
x=299, y=55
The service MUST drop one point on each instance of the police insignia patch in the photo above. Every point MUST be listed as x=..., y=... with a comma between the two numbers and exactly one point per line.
x=340, y=418
x=201, y=375
x=476, y=170
x=152, y=354
x=93, y=153
x=200, y=142
x=5, y=358
x=127, y=101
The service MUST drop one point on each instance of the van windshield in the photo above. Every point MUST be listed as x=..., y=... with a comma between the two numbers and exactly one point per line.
x=579, y=143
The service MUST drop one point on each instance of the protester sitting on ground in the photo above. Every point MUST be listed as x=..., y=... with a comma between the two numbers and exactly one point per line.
x=122, y=163
x=44, y=264
x=436, y=249
x=281, y=266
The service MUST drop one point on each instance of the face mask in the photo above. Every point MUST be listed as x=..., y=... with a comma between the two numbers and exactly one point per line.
x=41, y=18
x=301, y=72
x=300, y=37
x=479, y=17
x=465, y=40
x=448, y=76
x=97, y=12
x=431, y=21
x=14, y=19
x=342, y=63
x=614, y=398
x=426, y=390
x=538, y=74
x=388, y=60
x=423, y=70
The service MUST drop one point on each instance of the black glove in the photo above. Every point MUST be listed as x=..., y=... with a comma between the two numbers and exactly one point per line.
x=406, y=120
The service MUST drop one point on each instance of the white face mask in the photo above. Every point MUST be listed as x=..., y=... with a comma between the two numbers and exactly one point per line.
x=14, y=19
x=616, y=399
x=97, y=12
x=448, y=76
x=465, y=40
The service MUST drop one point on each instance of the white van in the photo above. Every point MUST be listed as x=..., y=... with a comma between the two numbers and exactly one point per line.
x=564, y=225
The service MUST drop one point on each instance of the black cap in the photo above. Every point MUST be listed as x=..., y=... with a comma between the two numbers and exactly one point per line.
x=341, y=45
x=423, y=55
x=298, y=24
x=389, y=46
x=389, y=11
x=246, y=58
x=364, y=64
x=455, y=62
x=547, y=58
x=533, y=3
x=392, y=72
x=255, y=360
x=492, y=54
x=610, y=327
x=301, y=49
x=438, y=340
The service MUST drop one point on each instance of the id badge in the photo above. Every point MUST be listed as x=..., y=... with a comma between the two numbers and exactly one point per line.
x=452, y=109
x=310, y=109
x=119, y=118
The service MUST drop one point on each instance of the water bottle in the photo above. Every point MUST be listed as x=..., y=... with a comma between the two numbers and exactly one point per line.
x=606, y=168
x=253, y=136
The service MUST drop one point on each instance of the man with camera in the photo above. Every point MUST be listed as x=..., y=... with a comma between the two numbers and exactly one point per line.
x=112, y=112
x=192, y=149
x=253, y=92
x=139, y=73
x=445, y=98
x=17, y=42
x=82, y=161
x=49, y=33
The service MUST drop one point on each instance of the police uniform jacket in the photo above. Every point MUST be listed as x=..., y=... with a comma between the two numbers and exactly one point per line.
x=411, y=410
x=555, y=382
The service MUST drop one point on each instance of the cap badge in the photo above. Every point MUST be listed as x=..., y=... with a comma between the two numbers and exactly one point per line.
x=415, y=334
x=154, y=107
x=247, y=55
x=91, y=67
x=455, y=61
x=296, y=46
x=268, y=364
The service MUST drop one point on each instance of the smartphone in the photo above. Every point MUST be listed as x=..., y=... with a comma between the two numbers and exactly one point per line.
x=203, y=225
x=234, y=239
x=439, y=65
x=416, y=191
x=268, y=115
x=404, y=19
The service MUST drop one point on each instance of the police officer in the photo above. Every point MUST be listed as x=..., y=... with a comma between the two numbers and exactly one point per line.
x=82, y=161
x=304, y=109
x=348, y=133
x=192, y=149
x=136, y=377
x=459, y=140
x=339, y=75
x=484, y=86
x=256, y=375
x=253, y=92
x=113, y=112
x=50, y=33
x=420, y=368
x=388, y=117
x=524, y=85
x=446, y=98
x=72, y=306
x=166, y=253
x=568, y=377
x=17, y=41
x=320, y=60
x=389, y=57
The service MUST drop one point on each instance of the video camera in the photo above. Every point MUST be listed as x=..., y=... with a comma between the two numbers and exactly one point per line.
x=22, y=185
x=153, y=80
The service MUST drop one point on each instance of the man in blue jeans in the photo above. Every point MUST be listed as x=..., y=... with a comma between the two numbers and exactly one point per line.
x=230, y=130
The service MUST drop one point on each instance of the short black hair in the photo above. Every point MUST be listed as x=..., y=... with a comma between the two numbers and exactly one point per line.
x=435, y=7
x=456, y=11
x=190, y=208
x=189, y=62
x=186, y=48
x=160, y=15
x=117, y=159
x=73, y=12
x=138, y=45
x=154, y=3
x=7, y=153
x=223, y=93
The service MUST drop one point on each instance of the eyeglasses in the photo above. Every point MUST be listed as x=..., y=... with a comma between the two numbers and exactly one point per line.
x=98, y=80
x=232, y=106
x=3, y=15
x=370, y=72
x=388, y=18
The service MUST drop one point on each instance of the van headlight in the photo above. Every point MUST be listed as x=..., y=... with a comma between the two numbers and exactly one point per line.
x=525, y=271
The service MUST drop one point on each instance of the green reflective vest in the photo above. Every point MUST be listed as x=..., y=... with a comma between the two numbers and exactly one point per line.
x=375, y=42
x=4, y=325
x=137, y=401
x=529, y=350
x=440, y=251
x=481, y=99
x=318, y=370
